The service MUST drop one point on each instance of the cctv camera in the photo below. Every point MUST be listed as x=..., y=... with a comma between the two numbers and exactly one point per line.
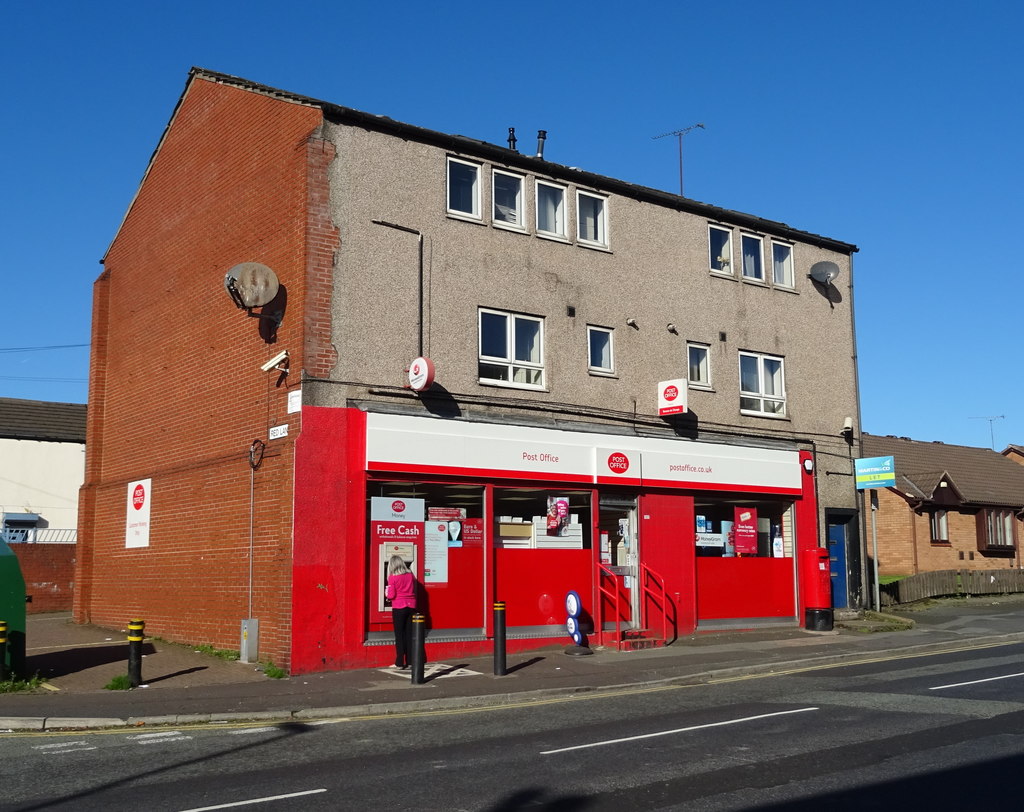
x=848, y=424
x=280, y=358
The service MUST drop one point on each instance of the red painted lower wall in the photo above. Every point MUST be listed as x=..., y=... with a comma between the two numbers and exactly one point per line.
x=49, y=573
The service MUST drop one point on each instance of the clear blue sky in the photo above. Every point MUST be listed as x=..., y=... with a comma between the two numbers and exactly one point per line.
x=892, y=125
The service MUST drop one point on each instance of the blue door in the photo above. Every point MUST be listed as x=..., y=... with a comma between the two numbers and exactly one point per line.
x=837, y=533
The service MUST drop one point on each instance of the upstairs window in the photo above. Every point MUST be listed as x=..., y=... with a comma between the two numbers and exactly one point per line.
x=698, y=363
x=782, y=264
x=463, y=188
x=940, y=526
x=753, y=267
x=592, y=216
x=508, y=199
x=720, y=244
x=599, y=340
x=762, y=385
x=511, y=349
x=550, y=210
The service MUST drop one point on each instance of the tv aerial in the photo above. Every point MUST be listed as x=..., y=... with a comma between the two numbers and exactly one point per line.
x=679, y=134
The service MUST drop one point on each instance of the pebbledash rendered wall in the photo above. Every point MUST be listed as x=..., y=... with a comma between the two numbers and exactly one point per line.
x=176, y=391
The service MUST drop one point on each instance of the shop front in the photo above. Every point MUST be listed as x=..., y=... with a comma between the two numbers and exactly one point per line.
x=650, y=533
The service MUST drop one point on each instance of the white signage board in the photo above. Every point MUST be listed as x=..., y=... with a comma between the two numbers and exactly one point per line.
x=136, y=527
x=672, y=397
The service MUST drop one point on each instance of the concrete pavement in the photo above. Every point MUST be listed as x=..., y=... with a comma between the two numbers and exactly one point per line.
x=186, y=686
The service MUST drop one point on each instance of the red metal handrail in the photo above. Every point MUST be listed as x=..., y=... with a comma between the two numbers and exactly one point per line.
x=616, y=599
x=651, y=585
x=647, y=574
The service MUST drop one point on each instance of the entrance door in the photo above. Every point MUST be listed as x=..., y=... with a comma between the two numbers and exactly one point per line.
x=620, y=552
x=837, y=562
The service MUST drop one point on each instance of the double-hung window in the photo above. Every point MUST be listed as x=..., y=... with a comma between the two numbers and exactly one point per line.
x=762, y=385
x=720, y=245
x=753, y=263
x=600, y=349
x=511, y=349
x=698, y=361
x=592, y=217
x=550, y=210
x=463, y=188
x=508, y=200
x=782, y=264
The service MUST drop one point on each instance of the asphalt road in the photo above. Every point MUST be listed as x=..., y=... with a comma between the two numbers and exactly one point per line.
x=944, y=731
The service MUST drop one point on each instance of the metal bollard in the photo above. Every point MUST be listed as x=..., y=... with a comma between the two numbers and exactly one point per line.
x=499, y=639
x=418, y=639
x=135, y=638
x=3, y=651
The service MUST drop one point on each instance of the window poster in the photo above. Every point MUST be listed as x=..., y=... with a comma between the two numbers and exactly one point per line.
x=472, y=533
x=745, y=531
x=435, y=559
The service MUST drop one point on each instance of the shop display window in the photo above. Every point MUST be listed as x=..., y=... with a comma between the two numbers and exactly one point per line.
x=529, y=518
x=744, y=528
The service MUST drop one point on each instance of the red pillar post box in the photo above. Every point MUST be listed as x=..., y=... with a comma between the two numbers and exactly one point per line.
x=816, y=589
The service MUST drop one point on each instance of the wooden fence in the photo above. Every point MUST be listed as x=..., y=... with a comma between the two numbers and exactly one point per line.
x=952, y=582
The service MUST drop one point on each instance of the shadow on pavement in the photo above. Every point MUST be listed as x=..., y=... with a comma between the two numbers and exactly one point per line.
x=72, y=660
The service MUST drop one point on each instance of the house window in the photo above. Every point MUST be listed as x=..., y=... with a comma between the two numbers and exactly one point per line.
x=995, y=529
x=550, y=210
x=720, y=244
x=782, y=264
x=592, y=216
x=508, y=199
x=463, y=188
x=599, y=340
x=940, y=526
x=698, y=360
x=762, y=385
x=511, y=349
x=752, y=262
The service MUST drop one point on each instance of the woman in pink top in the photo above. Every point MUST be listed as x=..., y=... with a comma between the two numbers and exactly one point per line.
x=401, y=591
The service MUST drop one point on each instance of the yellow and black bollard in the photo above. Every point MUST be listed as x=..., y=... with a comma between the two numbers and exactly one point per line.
x=136, y=634
x=499, y=639
x=4, y=674
x=418, y=653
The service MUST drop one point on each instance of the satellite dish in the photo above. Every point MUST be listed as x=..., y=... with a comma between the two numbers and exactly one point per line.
x=824, y=272
x=251, y=284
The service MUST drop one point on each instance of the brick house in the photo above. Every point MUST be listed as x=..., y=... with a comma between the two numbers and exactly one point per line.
x=42, y=457
x=953, y=507
x=525, y=378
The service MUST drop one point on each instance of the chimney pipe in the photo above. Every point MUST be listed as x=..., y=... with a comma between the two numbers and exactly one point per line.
x=512, y=138
x=541, y=136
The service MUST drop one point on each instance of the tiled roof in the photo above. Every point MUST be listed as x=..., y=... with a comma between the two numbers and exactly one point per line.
x=42, y=420
x=981, y=476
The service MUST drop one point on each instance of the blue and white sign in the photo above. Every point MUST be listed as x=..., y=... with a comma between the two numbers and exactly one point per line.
x=875, y=472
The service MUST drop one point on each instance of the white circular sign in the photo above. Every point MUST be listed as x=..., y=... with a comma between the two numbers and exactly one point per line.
x=421, y=374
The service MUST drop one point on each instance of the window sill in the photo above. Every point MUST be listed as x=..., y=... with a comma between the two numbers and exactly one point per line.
x=465, y=218
x=602, y=373
x=746, y=413
x=511, y=385
x=753, y=280
x=940, y=543
x=697, y=387
x=594, y=246
x=544, y=235
x=509, y=227
x=723, y=275
x=786, y=289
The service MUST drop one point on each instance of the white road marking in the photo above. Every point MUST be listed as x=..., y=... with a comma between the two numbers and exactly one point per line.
x=974, y=682
x=160, y=738
x=435, y=670
x=256, y=800
x=678, y=730
x=252, y=730
x=60, y=748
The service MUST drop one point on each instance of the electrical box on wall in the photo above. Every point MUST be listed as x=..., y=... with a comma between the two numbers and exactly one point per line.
x=249, y=645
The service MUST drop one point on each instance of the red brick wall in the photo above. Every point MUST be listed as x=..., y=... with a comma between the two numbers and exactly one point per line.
x=176, y=390
x=905, y=541
x=49, y=573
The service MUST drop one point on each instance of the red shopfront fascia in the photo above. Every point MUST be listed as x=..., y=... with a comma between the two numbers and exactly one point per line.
x=665, y=474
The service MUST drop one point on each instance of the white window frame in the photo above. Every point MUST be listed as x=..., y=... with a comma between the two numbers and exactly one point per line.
x=760, y=257
x=474, y=214
x=777, y=399
x=706, y=349
x=601, y=224
x=593, y=329
x=940, y=525
x=520, y=222
x=788, y=281
x=999, y=529
x=560, y=233
x=713, y=260
x=509, y=361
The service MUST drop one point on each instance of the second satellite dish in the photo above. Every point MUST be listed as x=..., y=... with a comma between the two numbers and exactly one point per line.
x=251, y=284
x=824, y=272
